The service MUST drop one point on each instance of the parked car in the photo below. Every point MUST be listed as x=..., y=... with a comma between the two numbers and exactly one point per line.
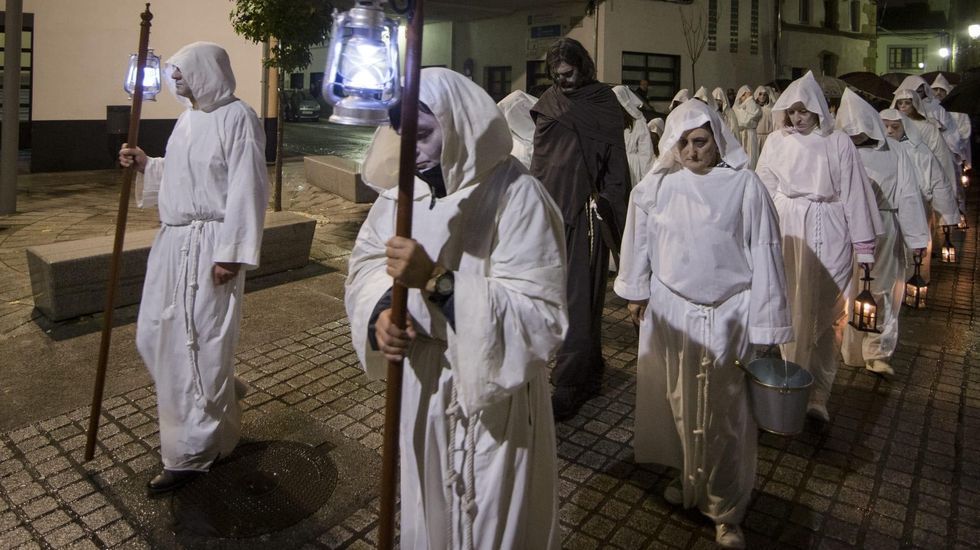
x=301, y=105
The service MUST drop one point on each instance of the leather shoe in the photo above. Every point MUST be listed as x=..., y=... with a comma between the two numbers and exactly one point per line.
x=171, y=480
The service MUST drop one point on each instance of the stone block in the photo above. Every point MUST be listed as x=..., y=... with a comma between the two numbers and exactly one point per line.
x=68, y=279
x=339, y=176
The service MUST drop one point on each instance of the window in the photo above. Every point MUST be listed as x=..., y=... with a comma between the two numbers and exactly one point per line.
x=712, y=25
x=830, y=14
x=733, y=28
x=804, y=12
x=296, y=81
x=497, y=82
x=316, y=84
x=905, y=57
x=855, y=16
x=663, y=72
x=538, y=78
x=26, y=68
x=754, y=28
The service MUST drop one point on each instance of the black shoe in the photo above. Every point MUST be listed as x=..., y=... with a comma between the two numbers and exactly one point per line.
x=567, y=400
x=171, y=480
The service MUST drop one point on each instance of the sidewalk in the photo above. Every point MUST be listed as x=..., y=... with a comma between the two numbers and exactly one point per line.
x=896, y=468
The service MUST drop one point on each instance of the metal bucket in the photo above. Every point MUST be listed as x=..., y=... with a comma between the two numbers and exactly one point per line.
x=778, y=392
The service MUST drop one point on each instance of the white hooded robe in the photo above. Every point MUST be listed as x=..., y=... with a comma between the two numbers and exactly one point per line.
x=517, y=110
x=704, y=250
x=211, y=188
x=764, y=128
x=725, y=110
x=748, y=114
x=639, y=144
x=478, y=455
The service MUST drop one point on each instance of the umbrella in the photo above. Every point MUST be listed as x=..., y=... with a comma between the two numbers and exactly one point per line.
x=832, y=87
x=953, y=78
x=965, y=98
x=895, y=79
x=871, y=84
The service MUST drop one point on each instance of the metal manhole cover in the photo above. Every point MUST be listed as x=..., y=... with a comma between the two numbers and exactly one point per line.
x=262, y=488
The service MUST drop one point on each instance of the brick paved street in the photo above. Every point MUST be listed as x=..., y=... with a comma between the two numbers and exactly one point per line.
x=896, y=467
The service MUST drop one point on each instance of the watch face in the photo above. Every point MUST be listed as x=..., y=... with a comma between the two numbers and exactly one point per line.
x=444, y=284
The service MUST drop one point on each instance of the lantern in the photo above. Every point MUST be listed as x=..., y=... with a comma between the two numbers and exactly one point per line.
x=948, y=251
x=151, y=76
x=916, y=287
x=864, y=314
x=361, y=77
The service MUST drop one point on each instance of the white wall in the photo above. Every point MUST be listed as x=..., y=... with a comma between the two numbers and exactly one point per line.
x=803, y=49
x=81, y=52
x=930, y=41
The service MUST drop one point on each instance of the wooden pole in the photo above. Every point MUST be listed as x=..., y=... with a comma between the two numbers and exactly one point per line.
x=128, y=174
x=399, y=294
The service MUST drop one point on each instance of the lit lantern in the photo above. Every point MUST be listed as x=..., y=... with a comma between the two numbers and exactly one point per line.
x=916, y=287
x=151, y=76
x=361, y=78
x=948, y=251
x=864, y=314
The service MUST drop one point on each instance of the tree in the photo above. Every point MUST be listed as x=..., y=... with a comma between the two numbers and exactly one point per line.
x=292, y=27
x=695, y=38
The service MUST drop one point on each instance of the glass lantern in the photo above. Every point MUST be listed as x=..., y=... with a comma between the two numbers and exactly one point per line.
x=151, y=76
x=864, y=311
x=361, y=79
x=948, y=251
x=916, y=287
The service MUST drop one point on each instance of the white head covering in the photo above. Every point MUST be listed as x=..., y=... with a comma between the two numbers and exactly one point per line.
x=206, y=69
x=742, y=91
x=702, y=94
x=681, y=96
x=909, y=93
x=720, y=95
x=656, y=125
x=763, y=90
x=475, y=136
x=911, y=131
x=803, y=90
x=855, y=116
x=941, y=82
x=517, y=110
x=691, y=115
x=914, y=82
x=629, y=101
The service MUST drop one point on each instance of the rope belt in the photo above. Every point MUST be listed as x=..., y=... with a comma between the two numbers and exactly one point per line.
x=464, y=485
x=707, y=313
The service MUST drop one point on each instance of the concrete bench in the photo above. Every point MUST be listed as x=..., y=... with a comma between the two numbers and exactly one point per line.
x=339, y=176
x=69, y=278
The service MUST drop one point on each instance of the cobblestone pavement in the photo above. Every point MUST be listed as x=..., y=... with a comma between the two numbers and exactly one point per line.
x=895, y=468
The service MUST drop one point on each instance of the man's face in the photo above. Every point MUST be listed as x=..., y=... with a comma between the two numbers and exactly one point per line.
x=940, y=93
x=698, y=150
x=894, y=129
x=644, y=84
x=180, y=85
x=428, y=148
x=731, y=96
x=922, y=91
x=800, y=119
x=567, y=77
x=906, y=106
x=762, y=98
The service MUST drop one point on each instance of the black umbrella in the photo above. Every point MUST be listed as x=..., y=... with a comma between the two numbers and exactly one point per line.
x=965, y=98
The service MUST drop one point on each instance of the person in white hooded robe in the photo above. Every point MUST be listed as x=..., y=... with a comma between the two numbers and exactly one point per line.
x=682, y=96
x=931, y=108
x=940, y=89
x=894, y=177
x=636, y=135
x=702, y=267
x=517, y=110
x=938, y=193
x=702, y=94
x=827, y=213
x=725, y=110
x=211, y=189
x=765, y=102
x=478, y=455
x=656, y=128
x=748, y=114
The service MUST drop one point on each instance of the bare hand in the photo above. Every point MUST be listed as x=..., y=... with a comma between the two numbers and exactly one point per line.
x=393, y=342
x=224, y=272
x=132, y=155
x=637, y=310
x=408, y=262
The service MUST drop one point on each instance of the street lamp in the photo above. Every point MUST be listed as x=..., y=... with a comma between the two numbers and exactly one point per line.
x=361, y=79
x=151, y=76
x=973, y=31
x=944, y=52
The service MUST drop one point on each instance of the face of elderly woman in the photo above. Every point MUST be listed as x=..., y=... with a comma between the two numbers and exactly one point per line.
x=698, y=150
x=800, y=119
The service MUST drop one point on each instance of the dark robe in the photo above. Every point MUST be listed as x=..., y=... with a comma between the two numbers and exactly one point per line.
x=578, y=151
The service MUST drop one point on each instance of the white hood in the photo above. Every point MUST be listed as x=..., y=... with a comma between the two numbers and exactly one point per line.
x=803, y=90
x=855, y=116
x=911, y=131
x=914, y=82
x=909, y=93
x=719, y=95
x=690, y=115
x=206, y=69
x=516, y=108
x=681, y=96
x=629, y=101
x=702, y=94
x=656, y=125
x=763, y=90
x=941, y=82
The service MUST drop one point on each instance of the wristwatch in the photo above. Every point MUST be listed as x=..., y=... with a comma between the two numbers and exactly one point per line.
x=441, y=285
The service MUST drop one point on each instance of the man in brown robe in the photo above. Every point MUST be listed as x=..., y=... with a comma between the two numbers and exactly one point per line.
x=580, y=158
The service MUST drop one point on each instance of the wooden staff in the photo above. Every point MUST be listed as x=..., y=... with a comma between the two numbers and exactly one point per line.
x=110, y=297
x=399, y=294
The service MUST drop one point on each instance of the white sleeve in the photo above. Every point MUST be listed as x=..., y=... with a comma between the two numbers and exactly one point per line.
x=240, y=236
x=148, y=182
x=633, y=280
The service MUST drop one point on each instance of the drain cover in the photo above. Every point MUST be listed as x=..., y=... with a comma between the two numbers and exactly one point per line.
x=262, y=488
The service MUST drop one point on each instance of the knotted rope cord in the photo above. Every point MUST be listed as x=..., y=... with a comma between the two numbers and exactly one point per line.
x=187, y=280
x=468, y=510
x=701, y=416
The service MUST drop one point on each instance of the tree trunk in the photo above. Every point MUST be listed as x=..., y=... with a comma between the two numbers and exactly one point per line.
x=277, y=193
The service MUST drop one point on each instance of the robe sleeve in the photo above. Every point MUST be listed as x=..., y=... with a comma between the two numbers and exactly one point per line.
x=762, y=167
x=240, y=237
x=512, y=319
x=148, y=182
x=748, y=114
x=633, y=280
x=769, y=317
x=647, y=157
x=860, y=205
x=911, y=212
x=941, y=194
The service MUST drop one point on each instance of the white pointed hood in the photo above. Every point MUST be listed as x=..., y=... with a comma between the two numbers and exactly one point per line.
x=914, y=83
x=516, y=108
x=682, y=96
x=911, y=131
x=475, y=135
x=206, y=69
x=803, y=90
x=629, y=101
x=702, y=94
x=941, y=82
x=855, y=116
x=742, y=95
x=719, y=95
x=690, y=115
x=763, y=90
x=909, y=93
x=656, y=125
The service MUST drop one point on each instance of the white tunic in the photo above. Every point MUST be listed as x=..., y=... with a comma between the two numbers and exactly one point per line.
x=639, y=144
x=748, y=114
x=212, y=191
x=705, y=251
x=478, y=455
